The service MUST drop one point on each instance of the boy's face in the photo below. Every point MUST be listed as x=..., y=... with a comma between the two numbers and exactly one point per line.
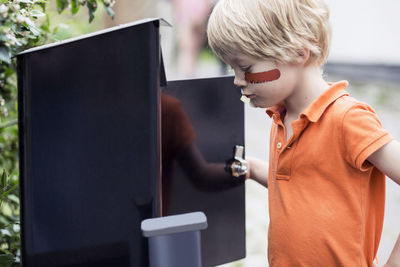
x=277, y=81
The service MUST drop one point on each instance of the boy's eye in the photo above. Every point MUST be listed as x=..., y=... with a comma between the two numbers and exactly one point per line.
x=245, y=68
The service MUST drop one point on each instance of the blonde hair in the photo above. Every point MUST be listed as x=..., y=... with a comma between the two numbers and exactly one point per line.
x=275, y=29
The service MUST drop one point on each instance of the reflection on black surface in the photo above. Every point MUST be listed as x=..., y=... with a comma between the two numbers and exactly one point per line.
x=178, y=145
x=201, y=122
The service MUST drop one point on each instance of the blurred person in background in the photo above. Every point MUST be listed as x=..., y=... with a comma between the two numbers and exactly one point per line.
x=188, y=34
x=190, y=22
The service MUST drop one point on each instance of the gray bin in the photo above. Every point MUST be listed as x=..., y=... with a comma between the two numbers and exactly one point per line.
x=175, y=241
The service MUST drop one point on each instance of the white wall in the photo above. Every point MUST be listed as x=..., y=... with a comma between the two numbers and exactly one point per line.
x=365, y=31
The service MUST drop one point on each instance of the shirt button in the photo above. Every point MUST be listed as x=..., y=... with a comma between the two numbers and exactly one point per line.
x=279, y=145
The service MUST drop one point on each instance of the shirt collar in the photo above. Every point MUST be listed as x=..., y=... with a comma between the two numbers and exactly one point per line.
x=314, y=111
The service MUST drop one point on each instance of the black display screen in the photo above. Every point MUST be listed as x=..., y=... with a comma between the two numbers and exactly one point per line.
x=89, y=148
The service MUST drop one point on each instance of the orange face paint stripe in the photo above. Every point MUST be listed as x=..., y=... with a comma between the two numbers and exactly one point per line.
x=262, y=77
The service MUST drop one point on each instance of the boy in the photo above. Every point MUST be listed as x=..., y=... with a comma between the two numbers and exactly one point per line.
x=328, y=151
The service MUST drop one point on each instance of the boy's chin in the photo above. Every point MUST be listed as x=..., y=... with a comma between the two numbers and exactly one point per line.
x=256, y=105
x=253, y=105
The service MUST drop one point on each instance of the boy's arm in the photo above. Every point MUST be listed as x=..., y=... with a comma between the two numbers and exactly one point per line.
x=387, y=160
x=258, y=170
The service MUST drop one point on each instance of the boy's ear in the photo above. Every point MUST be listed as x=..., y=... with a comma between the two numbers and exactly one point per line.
x=303, y=56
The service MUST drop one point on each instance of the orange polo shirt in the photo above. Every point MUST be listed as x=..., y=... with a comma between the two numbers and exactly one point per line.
x=326, y=201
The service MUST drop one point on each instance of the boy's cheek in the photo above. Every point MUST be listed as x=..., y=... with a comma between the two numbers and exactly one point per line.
x=262, y=77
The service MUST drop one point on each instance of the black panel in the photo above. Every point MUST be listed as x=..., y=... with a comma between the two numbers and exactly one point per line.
x=89, y=148
x=201, y=122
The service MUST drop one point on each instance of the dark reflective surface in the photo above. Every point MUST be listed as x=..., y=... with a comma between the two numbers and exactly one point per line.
x=201, y=122
x=89, y=149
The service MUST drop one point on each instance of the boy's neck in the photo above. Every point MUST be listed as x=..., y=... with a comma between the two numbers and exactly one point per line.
x=310, y=85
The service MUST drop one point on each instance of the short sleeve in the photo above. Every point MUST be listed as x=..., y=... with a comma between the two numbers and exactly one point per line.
x=362, y=135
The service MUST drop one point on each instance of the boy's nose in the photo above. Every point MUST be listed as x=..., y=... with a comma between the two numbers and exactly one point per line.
x=239, y=82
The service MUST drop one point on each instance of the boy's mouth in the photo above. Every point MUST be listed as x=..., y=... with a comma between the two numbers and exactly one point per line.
x=250, y=96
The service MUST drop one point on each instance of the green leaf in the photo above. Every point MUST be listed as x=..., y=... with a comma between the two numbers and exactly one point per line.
x=34, y=30
x=8, y=71
x=61, y=5
x=5, y=54
x=3, y=180
x=9, y=191
x=5, y=232
x=8, y=124
x=92, y=6
x=74, y=6
x=37, y=13
x=55, y=30
x=13, y=198
x=6, y=260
